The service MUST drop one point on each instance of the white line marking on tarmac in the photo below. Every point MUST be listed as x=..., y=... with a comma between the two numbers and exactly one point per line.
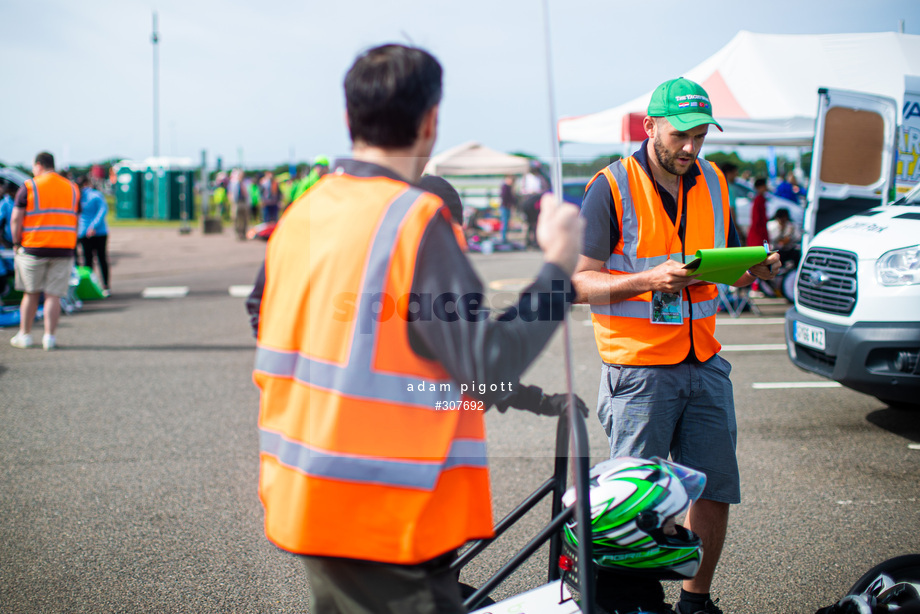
x=165, y=292
x=913, y=446
x=762, y=347
x=240, y=291
x=786, y=385
x=877, y=501
x=746, y=321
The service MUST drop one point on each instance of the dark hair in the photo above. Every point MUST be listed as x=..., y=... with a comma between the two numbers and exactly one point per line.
x=760, y=181
x=728, y=167
x=45, y=160
x=82, y=181
x=388, y=90
x=442, y=188
x=782, y=212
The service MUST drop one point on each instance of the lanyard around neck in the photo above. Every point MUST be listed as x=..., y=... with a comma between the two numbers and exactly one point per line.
x=680, y=210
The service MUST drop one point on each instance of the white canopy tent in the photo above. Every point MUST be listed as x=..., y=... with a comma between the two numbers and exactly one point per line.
x=471, y=158
x=764, y=87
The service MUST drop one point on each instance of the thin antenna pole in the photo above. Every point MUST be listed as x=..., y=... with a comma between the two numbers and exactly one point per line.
x=156, y=88
x=551, y=88
x=577, y=431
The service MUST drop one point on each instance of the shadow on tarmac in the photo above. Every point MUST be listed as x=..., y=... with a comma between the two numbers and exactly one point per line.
x=901, y=422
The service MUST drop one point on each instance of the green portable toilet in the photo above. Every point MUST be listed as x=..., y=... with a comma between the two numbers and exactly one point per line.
x=128, y=193
x=180, y=193
x=154, y=194
x=168, y=190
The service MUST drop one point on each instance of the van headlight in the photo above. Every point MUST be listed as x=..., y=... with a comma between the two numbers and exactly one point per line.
x=899, y=267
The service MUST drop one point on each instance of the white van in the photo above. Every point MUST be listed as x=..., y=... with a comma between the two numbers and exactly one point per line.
x=856, y=318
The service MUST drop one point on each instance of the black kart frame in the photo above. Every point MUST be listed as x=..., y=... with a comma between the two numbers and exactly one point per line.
x=571, y=426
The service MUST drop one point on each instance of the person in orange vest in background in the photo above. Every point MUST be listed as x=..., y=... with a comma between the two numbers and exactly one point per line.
x=377, y=356
x=44, y=229
x=664, y=389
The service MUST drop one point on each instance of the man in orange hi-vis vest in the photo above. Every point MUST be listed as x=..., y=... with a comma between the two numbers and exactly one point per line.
x=664, y=388
x=377, y=358
x=44, y=229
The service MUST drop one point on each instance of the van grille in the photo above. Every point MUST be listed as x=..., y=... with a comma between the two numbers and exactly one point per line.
x=827, y=281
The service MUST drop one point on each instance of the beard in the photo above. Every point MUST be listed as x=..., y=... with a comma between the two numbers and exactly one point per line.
x=667, y=160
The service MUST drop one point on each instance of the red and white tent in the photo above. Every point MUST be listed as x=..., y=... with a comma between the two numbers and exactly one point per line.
x=764, y=87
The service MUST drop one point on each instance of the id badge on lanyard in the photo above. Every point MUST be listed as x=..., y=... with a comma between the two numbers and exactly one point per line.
x=667, y=307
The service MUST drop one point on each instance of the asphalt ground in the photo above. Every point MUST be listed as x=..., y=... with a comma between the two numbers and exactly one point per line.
x=129, y=458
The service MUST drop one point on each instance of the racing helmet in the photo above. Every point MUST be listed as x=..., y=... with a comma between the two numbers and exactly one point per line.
x=632, y=499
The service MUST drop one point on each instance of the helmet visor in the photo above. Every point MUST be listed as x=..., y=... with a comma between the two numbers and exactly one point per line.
x=693, y=481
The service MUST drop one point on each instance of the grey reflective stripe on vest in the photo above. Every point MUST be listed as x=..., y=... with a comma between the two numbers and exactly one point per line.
x=640, y=309
x=34, y=197
x=618, y=262
x=715, y=195
x=705, y=309
x=72, y=229
x=408, y=473
x=629, y=227
x=352, y=380
x=357, y=378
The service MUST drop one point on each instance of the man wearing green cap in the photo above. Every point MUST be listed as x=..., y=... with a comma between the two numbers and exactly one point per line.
x=664, y=388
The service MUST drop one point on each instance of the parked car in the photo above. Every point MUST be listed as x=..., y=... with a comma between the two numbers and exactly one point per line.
x=12, y=175
x=744, y=200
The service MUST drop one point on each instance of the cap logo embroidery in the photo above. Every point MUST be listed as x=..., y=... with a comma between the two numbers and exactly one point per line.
x=691, y=97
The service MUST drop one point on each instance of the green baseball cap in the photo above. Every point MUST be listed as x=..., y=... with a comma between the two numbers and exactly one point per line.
x=683, y=103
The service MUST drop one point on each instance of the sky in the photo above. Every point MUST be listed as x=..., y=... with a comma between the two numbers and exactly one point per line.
x=259, y=82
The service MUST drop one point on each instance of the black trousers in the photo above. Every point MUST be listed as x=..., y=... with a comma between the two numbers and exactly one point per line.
x=95, y=247
x=349, y=586
x=618, y=592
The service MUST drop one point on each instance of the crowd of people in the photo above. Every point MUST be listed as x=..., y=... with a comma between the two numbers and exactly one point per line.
x=260, y=197
x=778, y=233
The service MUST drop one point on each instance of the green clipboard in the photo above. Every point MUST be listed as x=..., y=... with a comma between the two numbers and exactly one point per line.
x=725, y=265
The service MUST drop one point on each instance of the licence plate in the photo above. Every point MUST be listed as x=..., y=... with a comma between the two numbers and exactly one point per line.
x=810, y=336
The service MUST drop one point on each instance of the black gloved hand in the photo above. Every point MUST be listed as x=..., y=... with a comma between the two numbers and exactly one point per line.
x=533, y=400
x=555, y=404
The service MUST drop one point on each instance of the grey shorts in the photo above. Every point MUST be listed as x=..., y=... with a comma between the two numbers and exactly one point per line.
x=36, y=274
x=685, y=410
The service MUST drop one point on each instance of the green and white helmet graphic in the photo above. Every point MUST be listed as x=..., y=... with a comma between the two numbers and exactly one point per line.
x=632, y=499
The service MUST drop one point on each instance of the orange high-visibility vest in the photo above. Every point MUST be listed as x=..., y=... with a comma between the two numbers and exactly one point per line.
x=51, y=212
x=357, y=461
x=623, y=330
